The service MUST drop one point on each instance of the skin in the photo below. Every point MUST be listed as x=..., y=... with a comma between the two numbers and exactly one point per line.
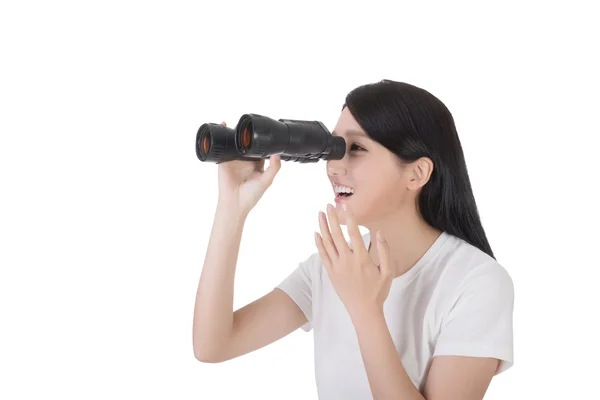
x=384, y=199
x=385, y=192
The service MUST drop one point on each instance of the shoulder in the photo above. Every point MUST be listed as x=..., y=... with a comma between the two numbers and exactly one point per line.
x=470, y=270
x=475, y=313
x=465, y=262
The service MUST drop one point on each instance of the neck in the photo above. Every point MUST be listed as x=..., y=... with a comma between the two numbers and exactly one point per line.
x=408, y=237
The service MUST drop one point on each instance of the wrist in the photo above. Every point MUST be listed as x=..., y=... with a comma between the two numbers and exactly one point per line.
x=230, y=210
x=365, y=315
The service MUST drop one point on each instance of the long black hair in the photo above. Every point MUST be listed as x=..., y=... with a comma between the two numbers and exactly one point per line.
x=413, y=123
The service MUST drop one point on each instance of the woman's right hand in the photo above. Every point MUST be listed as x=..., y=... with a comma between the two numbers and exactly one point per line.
x=243, y=183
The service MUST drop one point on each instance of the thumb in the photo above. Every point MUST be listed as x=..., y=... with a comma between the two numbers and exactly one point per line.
x=268, y=176
x=384, y=255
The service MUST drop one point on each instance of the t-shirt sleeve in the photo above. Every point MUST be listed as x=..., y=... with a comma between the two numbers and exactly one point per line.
x=298, y=285
x=480, y=323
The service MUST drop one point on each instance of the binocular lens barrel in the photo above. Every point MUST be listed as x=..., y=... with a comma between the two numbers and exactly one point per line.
x=206, y=139
x=256, y=137
x=216, y=143
x=246, y=139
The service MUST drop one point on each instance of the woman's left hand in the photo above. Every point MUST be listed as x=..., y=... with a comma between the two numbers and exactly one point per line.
x=361, y=285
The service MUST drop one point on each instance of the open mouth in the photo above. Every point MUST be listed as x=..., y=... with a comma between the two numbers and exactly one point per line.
x=342, y=192
x=342, y=197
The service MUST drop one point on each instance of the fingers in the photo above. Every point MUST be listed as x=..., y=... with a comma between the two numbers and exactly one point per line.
x=384, y=256
x=274, y=166
x=358, y=244
x=323, y=253
x=327, y=240
x=224, y=123
x=336, y=231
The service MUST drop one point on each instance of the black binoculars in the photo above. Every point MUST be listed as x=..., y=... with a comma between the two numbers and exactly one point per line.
x=256, y=137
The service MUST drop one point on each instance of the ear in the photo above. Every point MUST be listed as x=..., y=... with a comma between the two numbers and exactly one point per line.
x=420, y=172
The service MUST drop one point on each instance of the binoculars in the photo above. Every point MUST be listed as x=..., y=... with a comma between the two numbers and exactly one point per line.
x=256, y=137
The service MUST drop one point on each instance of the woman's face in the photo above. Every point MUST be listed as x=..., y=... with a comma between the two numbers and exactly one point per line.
x=375, y=175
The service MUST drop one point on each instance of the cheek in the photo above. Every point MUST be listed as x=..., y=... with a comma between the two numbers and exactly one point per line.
x=382, y=189
x=378, y=197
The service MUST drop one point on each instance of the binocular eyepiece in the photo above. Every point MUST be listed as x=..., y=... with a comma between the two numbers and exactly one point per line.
x=256, y=137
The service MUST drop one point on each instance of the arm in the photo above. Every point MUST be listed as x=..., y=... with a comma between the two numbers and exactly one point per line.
x=450, y=377
x=262, y=322
x=475, y=343
x=459, y=377
x=386, y=374
x=220, y=334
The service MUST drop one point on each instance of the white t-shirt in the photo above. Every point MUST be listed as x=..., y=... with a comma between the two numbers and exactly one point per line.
x=456, y=300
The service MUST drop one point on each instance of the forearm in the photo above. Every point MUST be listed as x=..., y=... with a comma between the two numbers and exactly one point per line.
x=386, y=374
x=213, y=311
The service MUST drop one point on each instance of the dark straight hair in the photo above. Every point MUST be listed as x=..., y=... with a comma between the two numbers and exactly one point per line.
x=412, y=123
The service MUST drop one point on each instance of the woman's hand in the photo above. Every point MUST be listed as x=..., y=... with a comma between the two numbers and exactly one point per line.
x=361, y=285
x=243, y=183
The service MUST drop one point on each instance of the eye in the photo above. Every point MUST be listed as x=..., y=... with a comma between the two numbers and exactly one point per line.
x=355, y=147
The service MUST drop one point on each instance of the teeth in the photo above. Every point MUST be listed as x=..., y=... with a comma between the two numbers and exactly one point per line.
x=343, y=189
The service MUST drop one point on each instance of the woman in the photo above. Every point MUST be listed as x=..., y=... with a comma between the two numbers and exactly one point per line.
x=425, y=312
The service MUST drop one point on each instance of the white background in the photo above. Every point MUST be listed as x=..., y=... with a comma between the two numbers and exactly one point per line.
x=106, y=211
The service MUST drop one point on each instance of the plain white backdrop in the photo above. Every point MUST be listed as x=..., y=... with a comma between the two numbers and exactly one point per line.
x=106, y=211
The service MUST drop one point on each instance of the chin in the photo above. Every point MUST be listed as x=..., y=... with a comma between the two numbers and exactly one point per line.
x=342, y=219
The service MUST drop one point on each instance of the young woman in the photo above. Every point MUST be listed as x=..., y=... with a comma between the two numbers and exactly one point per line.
x=417, y=308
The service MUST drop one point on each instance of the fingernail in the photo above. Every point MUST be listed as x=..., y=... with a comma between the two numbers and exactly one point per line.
x=379, y=236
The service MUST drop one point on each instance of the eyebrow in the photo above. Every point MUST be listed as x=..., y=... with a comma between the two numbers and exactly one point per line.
x=351, y=133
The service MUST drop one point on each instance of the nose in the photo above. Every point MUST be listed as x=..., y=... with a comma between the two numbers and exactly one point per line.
x=336, y=167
